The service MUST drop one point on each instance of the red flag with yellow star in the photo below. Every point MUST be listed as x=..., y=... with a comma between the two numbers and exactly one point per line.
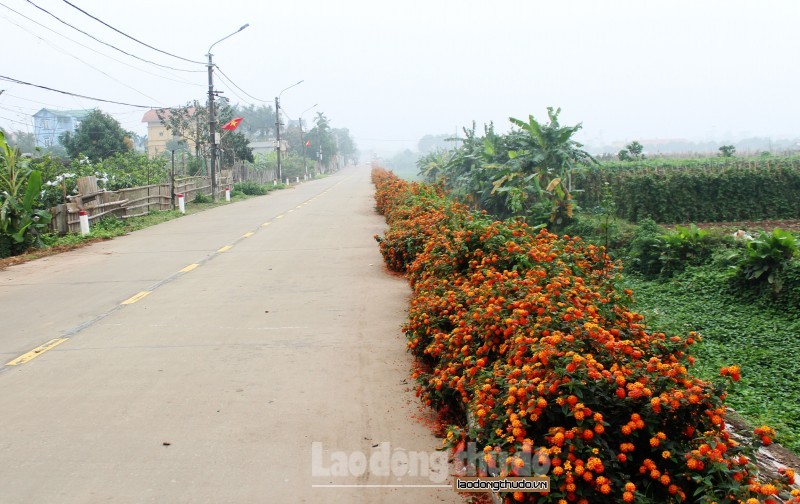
x=233, y=124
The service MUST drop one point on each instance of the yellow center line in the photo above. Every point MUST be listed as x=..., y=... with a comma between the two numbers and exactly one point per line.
x=290, y=211
x=136, y=297
x=189, y=268
x=266, y=224
x=279, y=217
x=299, y=206
x=225, y=248
x=36, y=352
x=248, y=234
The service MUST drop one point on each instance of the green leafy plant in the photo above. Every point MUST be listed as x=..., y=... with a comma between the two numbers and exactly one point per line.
x=682, y=247
x=767, y=256
x=250, y=188
x=21, y=223
x=644, y=252
x=201, y=198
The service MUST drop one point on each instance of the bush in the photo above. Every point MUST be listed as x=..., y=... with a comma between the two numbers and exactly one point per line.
x=684, y=247
x=201, y=198
x=644, y=254
x=250, y=188
x=522, y=341
x=767, y=256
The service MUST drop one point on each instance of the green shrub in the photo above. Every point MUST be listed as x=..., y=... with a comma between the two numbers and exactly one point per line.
x=702, y=190
x=684, y=247
x=767, y=256
x=644, y=254
x=201, y=198
x=250, y=188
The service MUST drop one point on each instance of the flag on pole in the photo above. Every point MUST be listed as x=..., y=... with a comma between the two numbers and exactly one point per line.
x=233, y=124
x=308, y=143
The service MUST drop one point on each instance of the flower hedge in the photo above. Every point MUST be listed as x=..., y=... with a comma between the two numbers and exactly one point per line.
x=524, y=346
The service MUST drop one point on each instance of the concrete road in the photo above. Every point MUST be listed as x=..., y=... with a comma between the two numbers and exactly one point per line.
x=246, y=354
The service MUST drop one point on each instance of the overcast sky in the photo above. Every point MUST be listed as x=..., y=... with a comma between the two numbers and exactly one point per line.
x=393, y=71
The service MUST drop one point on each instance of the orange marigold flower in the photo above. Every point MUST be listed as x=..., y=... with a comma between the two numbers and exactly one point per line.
x=627, y=497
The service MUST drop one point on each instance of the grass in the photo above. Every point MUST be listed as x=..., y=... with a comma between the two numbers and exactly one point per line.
x=759, y=338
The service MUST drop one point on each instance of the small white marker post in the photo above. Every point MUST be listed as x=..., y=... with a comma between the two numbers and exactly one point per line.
x=227, y=194
x=298, y=180
x=287, y=180
x=84, y=220
x=181, y=203
x=274, y=182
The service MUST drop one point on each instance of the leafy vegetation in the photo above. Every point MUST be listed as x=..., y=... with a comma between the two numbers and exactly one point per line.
x=703, y=190
x=760, y=337
x=522, y=340
x=98, y=136
x=251, y=188
x=526, y=173
x=22, y=221
x=767, y=256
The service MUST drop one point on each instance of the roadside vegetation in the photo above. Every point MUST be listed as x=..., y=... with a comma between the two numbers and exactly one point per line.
x=527, y=345
x=742, y=294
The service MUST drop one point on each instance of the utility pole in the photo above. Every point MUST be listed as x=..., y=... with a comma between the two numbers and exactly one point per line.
x=212, y=120
x=278, y=126
x=212, y=127
x=278, y=135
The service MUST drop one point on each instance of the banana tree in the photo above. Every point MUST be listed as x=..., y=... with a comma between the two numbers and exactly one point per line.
x=19, y=192
x=542, y=163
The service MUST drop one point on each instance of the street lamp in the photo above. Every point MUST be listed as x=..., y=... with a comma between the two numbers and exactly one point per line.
x=212, y=120
x=302, y=140
x=278, y=125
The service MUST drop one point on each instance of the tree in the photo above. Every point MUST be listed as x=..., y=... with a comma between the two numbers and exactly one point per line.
x=98, y=136
x=258, y=123
x=187, y=122
x=346, y=146
x=25, y=142
x=322, y=136
x=727, y=151
x=233, y=143
x=433, y=143
x=632, y=152
x=21, y=222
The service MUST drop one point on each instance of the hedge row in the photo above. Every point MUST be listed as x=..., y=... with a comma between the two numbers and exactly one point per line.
x=528, y=352
x=696, y=194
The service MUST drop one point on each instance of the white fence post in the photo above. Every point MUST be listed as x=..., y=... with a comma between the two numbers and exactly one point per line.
x=84, y=219
x=181, y=203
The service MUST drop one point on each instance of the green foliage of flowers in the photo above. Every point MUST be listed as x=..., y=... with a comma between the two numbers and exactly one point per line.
x=761, y=337
x=527, y=348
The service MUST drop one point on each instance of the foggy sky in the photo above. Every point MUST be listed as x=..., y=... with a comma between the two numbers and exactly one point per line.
x=393, y=71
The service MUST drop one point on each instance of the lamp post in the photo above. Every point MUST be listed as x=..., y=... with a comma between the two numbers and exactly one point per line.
x=302, y=139
x=278, y=125
x=212, y=120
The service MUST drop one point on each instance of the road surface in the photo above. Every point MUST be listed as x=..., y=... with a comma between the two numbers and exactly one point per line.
x=246, y=354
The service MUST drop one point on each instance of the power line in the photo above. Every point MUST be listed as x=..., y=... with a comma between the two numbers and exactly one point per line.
x=230, y=86
x=240, y=89
x=177, y=79
x=63, y=51
x=17, y=81
x=128, y=36
x=106, y=43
